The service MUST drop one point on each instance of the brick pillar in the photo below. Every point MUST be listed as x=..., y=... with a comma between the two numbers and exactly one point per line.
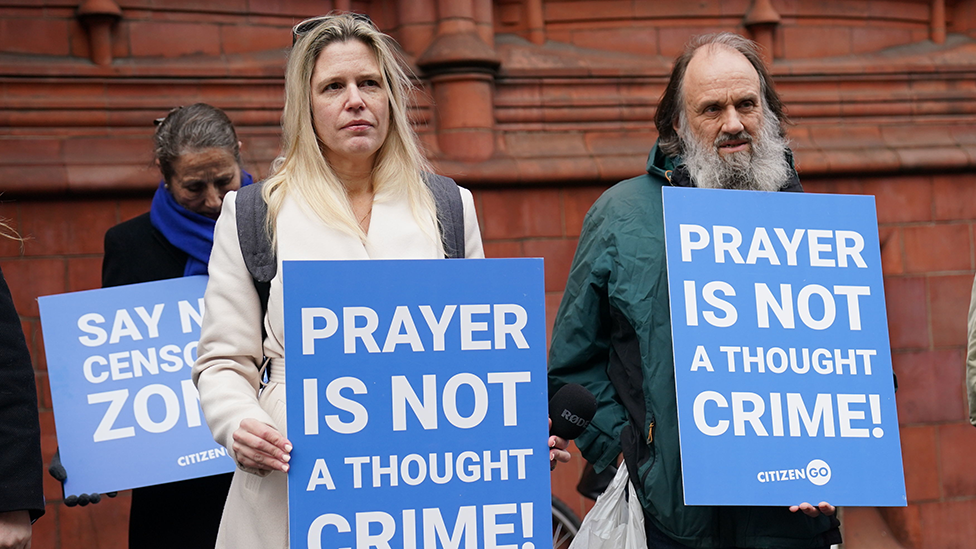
x=98, y=16
x=762, y=20
x=461, y=69
x=963, y=18
x=536, y=20
x=938, y=21
x=418, y=19
x=484, y=21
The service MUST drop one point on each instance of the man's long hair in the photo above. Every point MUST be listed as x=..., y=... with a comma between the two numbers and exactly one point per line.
x=303, y=172
x=672, y=102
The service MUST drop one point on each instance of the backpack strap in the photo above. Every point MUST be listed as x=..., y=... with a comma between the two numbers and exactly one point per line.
x=450, y=213
x=259, y=257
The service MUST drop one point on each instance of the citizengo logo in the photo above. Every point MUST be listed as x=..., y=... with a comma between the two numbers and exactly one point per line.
x=817, y=472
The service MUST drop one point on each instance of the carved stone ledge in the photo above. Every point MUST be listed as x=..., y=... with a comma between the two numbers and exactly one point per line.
x=98, y=16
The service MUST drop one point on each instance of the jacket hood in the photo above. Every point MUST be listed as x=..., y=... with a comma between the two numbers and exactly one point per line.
x=660, y=164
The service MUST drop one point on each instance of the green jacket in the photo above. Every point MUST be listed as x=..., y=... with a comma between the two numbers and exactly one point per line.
x=613, y=336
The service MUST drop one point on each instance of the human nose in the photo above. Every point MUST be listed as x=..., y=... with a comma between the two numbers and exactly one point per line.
x=355, y=99
x=731, y=122
x=212, y=198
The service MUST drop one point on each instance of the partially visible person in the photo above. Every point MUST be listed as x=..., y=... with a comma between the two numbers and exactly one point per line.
x=721, y=124
x=970, y=358
x=198, y=154
x=350, y=185
x=21, y=466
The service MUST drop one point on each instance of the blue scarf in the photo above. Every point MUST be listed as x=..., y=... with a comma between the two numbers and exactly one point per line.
x=188, y=231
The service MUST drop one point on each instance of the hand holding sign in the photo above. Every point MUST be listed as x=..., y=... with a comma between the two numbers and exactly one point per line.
x=261, y=447
x=811, y=511
x=60, y=474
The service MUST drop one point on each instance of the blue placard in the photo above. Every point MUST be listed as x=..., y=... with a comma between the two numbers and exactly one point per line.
x=782, y=364
x=125, y=408
x=416, y=395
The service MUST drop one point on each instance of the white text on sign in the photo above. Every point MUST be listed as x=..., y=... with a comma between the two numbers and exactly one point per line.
x=424, y=407
x=360, y=324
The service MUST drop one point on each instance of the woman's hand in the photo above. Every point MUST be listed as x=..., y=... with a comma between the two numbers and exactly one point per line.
x=260, y=446
x=811, y=511
x=557, y=450
x=15, y=530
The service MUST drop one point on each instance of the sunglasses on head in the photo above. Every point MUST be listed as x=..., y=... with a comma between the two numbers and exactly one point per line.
x=308, y=25
x=159, y=121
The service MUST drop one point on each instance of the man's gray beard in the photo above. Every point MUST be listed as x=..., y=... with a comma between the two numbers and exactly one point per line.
x=761, y=168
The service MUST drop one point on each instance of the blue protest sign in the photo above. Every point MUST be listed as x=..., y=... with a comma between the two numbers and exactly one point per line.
x=416, y=396
x=782, y=363
x=125, y=408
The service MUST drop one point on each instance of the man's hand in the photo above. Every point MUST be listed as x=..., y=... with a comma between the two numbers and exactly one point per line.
x=811, y=511
x=260, y=446
x=15, y=530
x=557, y=450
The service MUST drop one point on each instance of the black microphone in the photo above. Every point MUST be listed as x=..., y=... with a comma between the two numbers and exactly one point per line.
x=571, y=409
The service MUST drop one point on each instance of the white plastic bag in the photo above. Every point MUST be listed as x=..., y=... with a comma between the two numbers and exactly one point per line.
x=614, y=522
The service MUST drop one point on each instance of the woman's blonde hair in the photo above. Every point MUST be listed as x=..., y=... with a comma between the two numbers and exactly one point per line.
x=303, y=170
x=6, y=231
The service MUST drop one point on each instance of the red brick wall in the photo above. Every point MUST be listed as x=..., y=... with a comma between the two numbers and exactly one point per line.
x=62, y=253
x=806, y=29
x=571, y=116
x=926, y=225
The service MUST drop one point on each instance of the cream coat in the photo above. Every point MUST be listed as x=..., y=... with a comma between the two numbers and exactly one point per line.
x=230, y=349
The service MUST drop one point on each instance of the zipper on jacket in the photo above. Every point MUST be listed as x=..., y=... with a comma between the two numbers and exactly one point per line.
x=650, y=433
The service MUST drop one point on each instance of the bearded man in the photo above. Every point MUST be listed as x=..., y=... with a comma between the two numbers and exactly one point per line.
x=721, y=125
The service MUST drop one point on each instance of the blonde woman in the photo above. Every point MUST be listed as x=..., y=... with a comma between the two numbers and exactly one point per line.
x=348, y=186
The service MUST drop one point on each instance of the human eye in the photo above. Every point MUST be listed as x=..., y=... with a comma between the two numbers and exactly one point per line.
x=332, y=86
x=747, y=105
x=370, y=83
x=711, y=109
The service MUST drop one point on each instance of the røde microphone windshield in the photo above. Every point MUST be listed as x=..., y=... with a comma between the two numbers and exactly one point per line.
x=571, y=409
